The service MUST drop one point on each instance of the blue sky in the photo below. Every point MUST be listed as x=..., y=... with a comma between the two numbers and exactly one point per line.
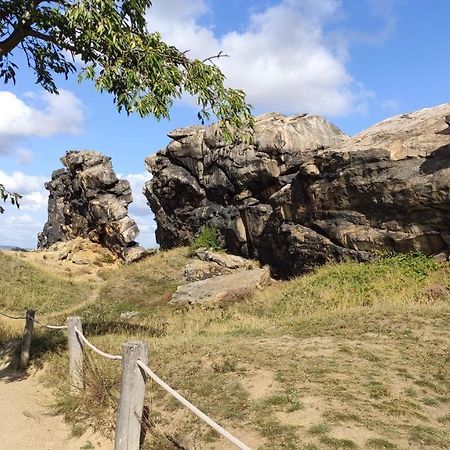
x=354, y=61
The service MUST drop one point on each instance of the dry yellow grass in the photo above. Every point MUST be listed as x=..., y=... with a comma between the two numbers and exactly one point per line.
x=351, y=356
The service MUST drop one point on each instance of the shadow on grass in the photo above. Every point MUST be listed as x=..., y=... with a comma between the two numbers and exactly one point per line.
x=42, y=344
x=10, y=357
x=46, y=342
x=115, y=327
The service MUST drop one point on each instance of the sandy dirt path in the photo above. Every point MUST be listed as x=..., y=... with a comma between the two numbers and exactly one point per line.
x=26, y=421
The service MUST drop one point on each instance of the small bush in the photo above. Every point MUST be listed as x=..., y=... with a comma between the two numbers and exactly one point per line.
x=209, y=237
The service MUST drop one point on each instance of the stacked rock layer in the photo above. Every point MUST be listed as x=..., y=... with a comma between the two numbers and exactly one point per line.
x=88, y=200
x=303, y=193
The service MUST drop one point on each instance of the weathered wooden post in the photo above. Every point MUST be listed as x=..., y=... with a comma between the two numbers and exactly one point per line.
x=132, y=393
x=26, y=340
x=75, y=353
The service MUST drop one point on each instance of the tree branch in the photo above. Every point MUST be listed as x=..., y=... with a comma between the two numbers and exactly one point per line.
x=13, y=40
x=53, y=40
x=219, y=55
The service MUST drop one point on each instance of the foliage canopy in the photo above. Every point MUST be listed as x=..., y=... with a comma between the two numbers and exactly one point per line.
x=143, y=73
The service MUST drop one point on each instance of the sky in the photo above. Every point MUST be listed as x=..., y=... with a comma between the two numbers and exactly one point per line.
x=355, y=62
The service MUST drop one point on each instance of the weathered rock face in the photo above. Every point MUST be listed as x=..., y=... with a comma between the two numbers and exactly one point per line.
x=224, y=288
x=304, y=193
x=88, y=200
x=218, y=278
x=210, y=264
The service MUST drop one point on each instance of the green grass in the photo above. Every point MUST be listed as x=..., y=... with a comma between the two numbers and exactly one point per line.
x=331, y=442
x=23, y=286
x=353, y=346
x=380, y=444
x=209, y=238
x=320, y=428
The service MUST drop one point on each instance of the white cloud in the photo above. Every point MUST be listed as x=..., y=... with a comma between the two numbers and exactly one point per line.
x=18, y=228
x=20, y=182
x=35, y=201
x=137, y=181
x=147, y=227
x=38, y=115
x=283, y=60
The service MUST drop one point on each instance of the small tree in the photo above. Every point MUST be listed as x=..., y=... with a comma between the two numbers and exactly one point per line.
x=142, y=72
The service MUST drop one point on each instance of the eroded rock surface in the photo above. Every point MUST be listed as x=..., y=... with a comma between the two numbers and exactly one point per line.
x=303, y=193
x=209, y=264
x=231, y=287
x=88, y=200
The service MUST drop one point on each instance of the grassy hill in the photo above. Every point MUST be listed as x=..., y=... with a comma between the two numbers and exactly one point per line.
x=351, y=356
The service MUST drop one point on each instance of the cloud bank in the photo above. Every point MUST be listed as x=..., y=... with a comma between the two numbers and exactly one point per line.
x=20, y=227
x=284, y=60
x=139, y=210
x=40, y=115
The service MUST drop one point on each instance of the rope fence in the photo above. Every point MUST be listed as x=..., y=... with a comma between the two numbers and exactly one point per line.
x=11, y=317
x=50, y=327
x=94, y=348
x=134, y=376
x=192, y=408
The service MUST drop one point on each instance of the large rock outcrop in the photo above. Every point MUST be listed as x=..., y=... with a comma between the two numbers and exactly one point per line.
x=88, y=200
x=303, y=193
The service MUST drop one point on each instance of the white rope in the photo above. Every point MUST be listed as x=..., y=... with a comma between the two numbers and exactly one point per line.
x=55, y=327
x=12, y=317
x=94, y=348
x=193, y=408
x=50, y=327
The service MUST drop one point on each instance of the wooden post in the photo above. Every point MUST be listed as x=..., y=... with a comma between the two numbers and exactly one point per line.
x=26, y=340
x=132, y=393
x=75, y=354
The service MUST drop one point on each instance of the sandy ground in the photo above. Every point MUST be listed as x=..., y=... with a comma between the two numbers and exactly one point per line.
x=26, y=422
x=26, y=419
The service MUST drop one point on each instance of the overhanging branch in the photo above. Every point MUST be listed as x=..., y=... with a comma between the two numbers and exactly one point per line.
x=52, y=39
x=13, y=40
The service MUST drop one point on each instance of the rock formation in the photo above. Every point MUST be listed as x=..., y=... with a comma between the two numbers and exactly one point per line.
x=208, y=264
x=303, y=193
x=88, y=200
x=217, y=278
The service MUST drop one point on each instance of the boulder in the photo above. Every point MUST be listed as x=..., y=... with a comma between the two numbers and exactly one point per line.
x=201, y=270
x=87, y=200
x=224, y=260
x=212, y=264
x=232, y=287
x=303, y=193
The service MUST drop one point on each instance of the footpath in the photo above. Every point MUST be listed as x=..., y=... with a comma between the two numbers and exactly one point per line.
x=27, y=422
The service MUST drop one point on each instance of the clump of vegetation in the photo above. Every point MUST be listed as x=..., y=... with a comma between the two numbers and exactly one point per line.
x=209, y=237
x=106, y=258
